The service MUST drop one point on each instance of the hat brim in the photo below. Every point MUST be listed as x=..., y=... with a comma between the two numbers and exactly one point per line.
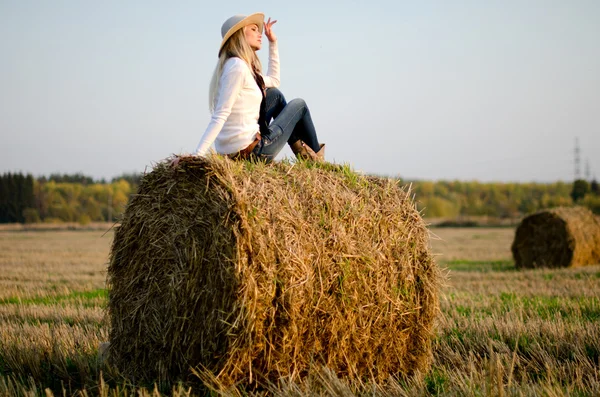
x=256, y=19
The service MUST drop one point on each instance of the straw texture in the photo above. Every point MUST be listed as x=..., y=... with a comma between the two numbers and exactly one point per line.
x=257, y=271
x=558, y=237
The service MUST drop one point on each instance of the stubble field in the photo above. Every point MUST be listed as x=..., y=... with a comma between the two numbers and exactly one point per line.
x=500, y=331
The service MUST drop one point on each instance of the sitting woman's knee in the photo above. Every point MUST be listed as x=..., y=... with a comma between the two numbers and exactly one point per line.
x=298, y=102
x=275, y=92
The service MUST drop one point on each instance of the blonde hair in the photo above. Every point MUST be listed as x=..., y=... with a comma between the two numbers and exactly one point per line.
x=235, y=46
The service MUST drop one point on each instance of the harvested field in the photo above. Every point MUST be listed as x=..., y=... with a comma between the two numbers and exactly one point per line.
x=502, y=331
x=476, y=244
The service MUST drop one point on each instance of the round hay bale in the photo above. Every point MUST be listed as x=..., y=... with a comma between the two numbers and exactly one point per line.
x=260, y=271
x=558, y=237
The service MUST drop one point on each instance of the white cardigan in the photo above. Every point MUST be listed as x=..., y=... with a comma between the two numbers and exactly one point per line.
x=234, y=122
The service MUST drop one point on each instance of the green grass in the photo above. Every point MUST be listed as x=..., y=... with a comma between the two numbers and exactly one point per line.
x=464, y=265
x=58, y=299
x=435, y=382
x=548, y=308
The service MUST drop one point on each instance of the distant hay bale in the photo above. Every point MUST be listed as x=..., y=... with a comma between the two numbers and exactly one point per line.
x=559, y=237
x=260, y=271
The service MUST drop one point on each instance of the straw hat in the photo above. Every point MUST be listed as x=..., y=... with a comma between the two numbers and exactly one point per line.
x=237, y=22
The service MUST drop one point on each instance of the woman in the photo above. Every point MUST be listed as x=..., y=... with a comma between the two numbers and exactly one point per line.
x=243, y=101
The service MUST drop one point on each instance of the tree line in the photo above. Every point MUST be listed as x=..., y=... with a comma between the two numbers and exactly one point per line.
x=79, y=198
x=450, y=199
x=16, y=196
x=63, y=198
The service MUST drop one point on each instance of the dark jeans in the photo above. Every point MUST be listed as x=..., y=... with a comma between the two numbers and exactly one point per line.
x=291, y=121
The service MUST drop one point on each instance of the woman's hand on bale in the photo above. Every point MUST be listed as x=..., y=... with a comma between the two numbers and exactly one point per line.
x=269, y=32
x=175, y=162
x=177, y=158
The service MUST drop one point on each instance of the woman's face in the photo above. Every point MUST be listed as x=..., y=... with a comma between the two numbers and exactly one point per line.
x=253, y=36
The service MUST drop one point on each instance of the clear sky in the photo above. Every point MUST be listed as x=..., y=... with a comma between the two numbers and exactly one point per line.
x=492, y=90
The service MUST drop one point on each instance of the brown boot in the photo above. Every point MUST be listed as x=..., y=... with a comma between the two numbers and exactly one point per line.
x=318, y=157
x=303, y=151
x=321, y=154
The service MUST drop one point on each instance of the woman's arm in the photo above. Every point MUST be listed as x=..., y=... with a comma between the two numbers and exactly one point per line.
x=272, y=77
x=230, y=84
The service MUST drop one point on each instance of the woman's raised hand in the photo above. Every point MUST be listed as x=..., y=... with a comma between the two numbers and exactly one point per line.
x=269, y=31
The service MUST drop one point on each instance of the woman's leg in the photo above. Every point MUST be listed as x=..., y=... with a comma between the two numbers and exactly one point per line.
x=304, y=128
x=292, y=123
x=274, y=103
